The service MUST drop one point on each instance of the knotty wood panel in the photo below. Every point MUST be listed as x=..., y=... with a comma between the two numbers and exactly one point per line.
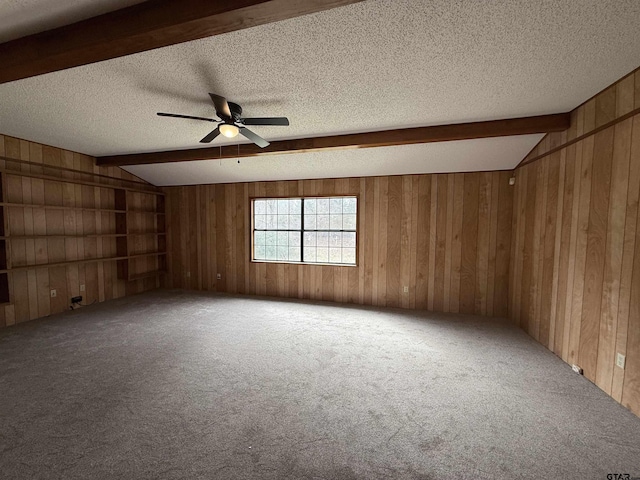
x=60, y=235
x=588, y=308
x=418, y=231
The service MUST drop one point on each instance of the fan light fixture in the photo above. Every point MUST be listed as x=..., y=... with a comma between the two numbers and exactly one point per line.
x=229, y=130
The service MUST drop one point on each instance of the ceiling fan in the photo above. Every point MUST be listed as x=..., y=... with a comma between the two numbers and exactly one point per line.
x=231, y=122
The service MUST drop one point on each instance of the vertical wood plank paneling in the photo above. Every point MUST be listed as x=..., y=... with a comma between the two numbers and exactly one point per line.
x=483, y=243
x=418, y=231
x=547, y=277
x=468, y=264
x=433, y=208
x=575, y=330
x=613, y=255
x=394, y=241
x=593, y=302
x=456, y=241
x=55, y=234
x=405, y=242
x=596, y=243
x=504, y=233
x=630, y=250
x=422, y=256
x=493, y=233
x=440, y=243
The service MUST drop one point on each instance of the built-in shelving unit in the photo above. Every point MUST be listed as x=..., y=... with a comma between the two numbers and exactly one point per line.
x=4, y=277
x=136, y=245
x=135, y=264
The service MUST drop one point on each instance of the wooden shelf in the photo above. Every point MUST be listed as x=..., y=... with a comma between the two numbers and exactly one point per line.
x=61, y=264
x=147, y=212
x=60, y=207
x=78, y=262
x=35, y=237
x=88, y=235
x=154, y=273
x=148, y=254
x=51, y=178
x=73, y=171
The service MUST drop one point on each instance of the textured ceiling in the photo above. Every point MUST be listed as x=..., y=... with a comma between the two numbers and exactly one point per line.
x=374, y=65
x=460, y=156
x=19, y=18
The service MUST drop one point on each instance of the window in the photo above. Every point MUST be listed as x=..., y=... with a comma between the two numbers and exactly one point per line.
x=305, y=230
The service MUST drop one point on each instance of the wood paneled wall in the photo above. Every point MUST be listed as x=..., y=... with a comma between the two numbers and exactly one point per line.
x=60, y=235
x=575, y=276
x=446, y=237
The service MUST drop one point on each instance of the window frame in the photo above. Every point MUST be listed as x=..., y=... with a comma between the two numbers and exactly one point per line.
x=302, y=197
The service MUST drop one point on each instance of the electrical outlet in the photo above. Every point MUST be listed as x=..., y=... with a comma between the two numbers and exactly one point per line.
x=576, y=369
x=405, y=289
x=188, y=274
x=82, y=287
x=53, y=293
x=219, y=276
x=620, y=358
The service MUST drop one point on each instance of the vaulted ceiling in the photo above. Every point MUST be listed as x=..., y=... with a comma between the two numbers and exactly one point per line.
x=374, y=65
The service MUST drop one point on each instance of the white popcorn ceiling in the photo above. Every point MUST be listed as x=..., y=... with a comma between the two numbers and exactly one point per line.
x=375, y=65
x=20, y=18
x=485, y=154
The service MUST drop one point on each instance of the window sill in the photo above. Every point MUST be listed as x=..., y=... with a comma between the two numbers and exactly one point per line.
x=282, y=262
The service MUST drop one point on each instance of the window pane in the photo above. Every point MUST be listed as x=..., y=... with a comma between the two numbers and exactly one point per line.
x=349, y=222
x=336, y=222
x=283, y=207
x=309, y=239
x=349, y=205
x=327, y=236
x=260, y=222
x=349, y=255
x=335, y=205
x=310, y=206
x=310, y=222
x=270, y=252
x=335, y=239
x=294, y=254
x=260, y=207
x=322, y=205
x=349, y=239
x=309, y=254
x=259, y=238
x=283, y=222
x=295, y=222
x=295, y=206
x=323, y=239
x=322, y=222
x=322, y=254
x=294, y=239
x=282, y=238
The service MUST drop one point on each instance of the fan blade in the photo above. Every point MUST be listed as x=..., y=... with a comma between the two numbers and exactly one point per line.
x=222, y=107
x=189, y=117
x=209, y=138
x=257, y=139
x=284, y=121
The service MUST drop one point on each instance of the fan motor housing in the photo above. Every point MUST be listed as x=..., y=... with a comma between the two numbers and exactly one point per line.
x=236, y=110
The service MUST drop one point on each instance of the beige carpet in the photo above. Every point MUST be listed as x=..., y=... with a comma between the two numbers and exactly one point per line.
x=172, y=384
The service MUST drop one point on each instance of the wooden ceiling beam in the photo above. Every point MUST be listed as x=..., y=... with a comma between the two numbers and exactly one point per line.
x=138, y=28
x=406, y=136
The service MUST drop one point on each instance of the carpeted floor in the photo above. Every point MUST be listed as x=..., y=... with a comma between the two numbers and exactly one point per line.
x=173, y=384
